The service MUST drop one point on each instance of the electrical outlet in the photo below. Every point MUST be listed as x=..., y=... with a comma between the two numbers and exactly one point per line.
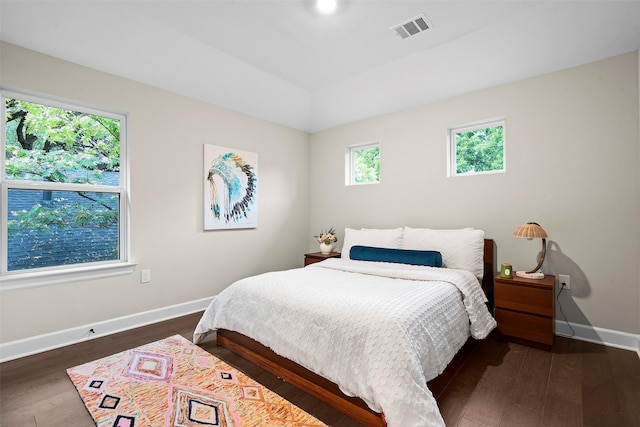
x=566, y=279
x=145, y=276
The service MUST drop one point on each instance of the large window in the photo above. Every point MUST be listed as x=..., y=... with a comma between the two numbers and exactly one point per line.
x=362, y=164
x=477, y=148
x=64, y=192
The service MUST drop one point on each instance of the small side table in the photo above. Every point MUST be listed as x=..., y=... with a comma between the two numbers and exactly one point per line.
x=314, y=257
x=524, y=309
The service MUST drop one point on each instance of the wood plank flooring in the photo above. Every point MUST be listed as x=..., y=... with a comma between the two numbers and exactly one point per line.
x=490, y=383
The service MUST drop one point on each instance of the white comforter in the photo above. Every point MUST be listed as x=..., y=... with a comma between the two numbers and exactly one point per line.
x=378, y=330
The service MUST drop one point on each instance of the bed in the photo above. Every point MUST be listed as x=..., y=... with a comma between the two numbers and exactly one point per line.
x=365, y=333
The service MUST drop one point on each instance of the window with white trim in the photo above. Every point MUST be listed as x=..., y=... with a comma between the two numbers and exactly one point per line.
x=362, y=164
x=477, y=148
x=64, y=191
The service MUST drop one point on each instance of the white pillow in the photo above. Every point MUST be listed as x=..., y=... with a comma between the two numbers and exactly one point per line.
x=460, y=248
x=380, y=238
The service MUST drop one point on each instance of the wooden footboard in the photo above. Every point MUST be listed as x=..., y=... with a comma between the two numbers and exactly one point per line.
x=294, y=374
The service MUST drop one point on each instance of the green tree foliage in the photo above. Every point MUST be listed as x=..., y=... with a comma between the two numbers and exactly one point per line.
x=367, y=165
x=480, y=150
x=50, y=144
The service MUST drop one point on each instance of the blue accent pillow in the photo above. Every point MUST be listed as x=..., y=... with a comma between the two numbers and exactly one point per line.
x=400, y=256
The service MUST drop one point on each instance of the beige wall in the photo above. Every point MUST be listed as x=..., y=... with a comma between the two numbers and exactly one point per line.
x=166, y=137
x=572, y=147
x=573, y=161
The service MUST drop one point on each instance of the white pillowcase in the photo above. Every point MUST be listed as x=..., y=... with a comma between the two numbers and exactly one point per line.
x=380, y=238
x=460, y=248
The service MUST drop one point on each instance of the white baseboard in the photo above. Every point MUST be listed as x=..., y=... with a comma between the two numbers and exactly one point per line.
x=40, y=343
x=596, y=335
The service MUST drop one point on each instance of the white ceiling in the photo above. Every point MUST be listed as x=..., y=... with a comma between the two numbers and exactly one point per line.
x=280, y=61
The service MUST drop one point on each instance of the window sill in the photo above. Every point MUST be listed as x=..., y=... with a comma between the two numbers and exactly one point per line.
x=43, y=278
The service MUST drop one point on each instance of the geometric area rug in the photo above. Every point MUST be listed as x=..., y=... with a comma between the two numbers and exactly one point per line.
x=174, y=383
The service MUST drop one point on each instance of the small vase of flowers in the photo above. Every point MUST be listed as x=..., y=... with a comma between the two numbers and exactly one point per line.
x=327, y=240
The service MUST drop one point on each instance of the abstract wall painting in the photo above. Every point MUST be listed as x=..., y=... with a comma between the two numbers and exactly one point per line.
x=230, y=188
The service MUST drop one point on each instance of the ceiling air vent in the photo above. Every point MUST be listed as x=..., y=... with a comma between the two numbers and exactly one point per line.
x=412, y=27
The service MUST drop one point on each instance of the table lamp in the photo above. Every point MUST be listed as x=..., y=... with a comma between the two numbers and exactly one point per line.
x=532, y=230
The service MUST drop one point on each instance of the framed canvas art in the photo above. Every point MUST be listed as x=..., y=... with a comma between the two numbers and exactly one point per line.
x=230, y=188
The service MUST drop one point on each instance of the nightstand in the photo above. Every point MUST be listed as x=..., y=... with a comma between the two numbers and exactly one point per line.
x=524, y=309
x=314, y=257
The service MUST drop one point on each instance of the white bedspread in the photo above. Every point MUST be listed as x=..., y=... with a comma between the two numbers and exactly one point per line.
x=378, y=330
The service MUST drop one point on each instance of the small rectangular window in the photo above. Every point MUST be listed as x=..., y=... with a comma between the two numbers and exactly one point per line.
x=62, y=179
x=362, y=164
x=477, y=148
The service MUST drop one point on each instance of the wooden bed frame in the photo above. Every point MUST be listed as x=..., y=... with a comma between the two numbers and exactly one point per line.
x=314, y=384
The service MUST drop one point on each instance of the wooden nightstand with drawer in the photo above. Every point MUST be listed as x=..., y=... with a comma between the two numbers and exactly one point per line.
x=524, y=309
x=314, y=257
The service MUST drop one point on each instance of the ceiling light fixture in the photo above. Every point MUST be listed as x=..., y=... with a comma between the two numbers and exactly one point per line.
x=326, y=7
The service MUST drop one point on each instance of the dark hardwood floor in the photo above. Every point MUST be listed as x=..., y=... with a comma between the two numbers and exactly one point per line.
x=490, y=383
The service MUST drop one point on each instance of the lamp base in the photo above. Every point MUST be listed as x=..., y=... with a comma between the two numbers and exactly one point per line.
x=525, y=275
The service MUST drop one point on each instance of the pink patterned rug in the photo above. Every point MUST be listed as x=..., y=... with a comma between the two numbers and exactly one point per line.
x=173, y=382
